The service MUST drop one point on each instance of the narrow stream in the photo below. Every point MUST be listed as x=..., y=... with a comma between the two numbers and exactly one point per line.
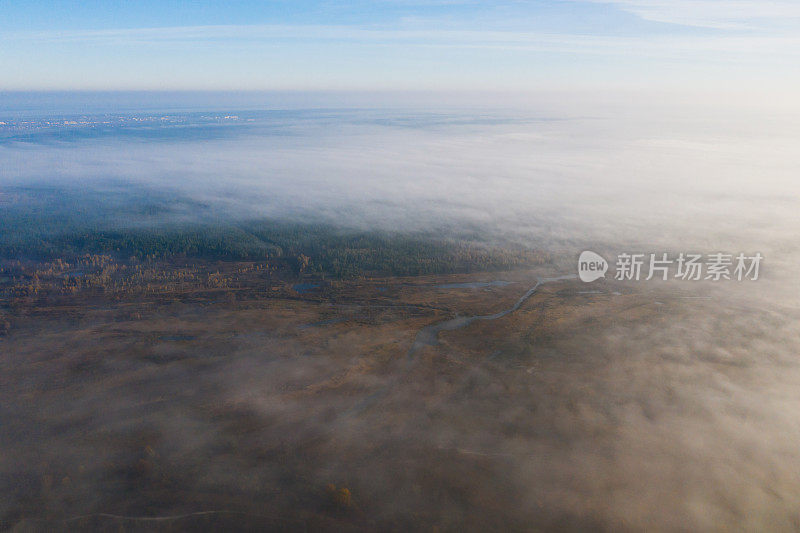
x=429, y=335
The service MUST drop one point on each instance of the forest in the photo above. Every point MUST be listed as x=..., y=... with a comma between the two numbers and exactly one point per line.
x=121, y=241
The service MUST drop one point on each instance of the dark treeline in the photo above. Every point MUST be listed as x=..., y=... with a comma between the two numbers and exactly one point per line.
x=43, y=224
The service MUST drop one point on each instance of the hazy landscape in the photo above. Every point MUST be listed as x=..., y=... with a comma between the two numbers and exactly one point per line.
x=400, y=265
x=219, y=320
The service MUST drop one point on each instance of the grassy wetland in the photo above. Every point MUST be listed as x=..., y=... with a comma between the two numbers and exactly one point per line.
x=314, y=321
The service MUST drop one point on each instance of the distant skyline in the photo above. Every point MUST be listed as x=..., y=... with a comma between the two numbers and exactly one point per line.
x=445, y=45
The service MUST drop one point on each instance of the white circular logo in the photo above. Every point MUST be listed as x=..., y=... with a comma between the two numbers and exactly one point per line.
x=591, y=266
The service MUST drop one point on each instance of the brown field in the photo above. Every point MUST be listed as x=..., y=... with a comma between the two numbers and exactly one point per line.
x=252, y=406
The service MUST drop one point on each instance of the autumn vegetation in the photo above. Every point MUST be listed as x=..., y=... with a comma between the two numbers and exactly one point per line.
x=125, y=242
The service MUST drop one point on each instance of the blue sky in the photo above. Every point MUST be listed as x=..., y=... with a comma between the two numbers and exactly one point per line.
x=399, y=44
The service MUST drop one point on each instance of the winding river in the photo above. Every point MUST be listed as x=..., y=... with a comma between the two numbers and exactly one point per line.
x=429, y=335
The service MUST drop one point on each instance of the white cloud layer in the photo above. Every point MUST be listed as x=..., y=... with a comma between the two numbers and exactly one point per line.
x=728, y=14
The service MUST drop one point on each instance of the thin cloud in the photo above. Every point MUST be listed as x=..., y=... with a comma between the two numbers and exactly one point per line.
x=720, y=14
x=218, y=35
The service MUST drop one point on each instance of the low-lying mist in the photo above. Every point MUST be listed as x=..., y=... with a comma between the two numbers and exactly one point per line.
x=634, y=178
x=675, y=409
